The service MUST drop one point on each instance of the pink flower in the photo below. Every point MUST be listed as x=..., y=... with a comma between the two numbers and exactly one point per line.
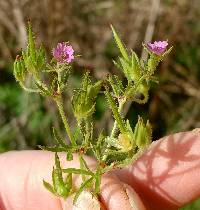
x=158, y=47
x=63, y=53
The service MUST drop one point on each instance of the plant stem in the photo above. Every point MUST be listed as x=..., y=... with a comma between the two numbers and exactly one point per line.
x=87, y=132
x=121, y=105
x=116, y=114
x=64, y=118
x=30, y=90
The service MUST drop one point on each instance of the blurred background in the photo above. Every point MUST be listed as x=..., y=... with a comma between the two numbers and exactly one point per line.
x=26, y=120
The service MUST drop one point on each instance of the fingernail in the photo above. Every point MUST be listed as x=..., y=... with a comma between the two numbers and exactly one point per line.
x=86, y=201
x=134, y=199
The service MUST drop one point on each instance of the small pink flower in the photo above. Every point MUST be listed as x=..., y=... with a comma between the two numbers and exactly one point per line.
x=158, y=47
x=63, y=53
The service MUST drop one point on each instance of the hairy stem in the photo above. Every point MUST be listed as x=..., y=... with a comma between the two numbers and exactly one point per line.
x=116, y=114
x=30, y=90
x=64, y=118
x=121, y=105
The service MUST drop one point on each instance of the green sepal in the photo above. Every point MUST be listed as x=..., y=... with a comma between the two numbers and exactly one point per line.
x=34, y=58
x=142, y=133
x=19, y=69
x=136, y=68
x=117, y=86
x=83, y=100
x=94, y=90
x=64, y=75
x=154, y=60
x=43, y=91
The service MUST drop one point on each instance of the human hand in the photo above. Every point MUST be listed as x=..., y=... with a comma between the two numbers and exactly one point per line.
x=166, y=176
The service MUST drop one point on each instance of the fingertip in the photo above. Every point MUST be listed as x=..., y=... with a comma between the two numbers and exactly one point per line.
x=135, y=201
x=116, y=195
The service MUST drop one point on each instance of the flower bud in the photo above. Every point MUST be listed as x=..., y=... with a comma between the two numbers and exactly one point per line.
x=34, y=59
x=83, y=101
x=19, y=69
x=142, y=133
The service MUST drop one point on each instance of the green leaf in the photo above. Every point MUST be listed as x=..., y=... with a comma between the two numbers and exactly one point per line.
x=83, y=164
x=77, y=171
x=58, y=181
x=83, y=186
x=120, y=45
x=49, y=187
x=58, y=168
x=94, y=90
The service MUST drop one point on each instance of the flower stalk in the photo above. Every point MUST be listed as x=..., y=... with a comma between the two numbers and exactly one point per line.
x=60, y=106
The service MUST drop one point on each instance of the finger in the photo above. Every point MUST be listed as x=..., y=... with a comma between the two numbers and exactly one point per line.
x=117, y=196
x=21, y=181
x=21, y=185
x=167, y=175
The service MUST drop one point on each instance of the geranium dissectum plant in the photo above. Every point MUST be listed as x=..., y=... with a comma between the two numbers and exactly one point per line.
x=124, y=143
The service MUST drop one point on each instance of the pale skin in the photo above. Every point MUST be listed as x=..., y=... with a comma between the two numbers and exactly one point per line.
x=166, y=176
